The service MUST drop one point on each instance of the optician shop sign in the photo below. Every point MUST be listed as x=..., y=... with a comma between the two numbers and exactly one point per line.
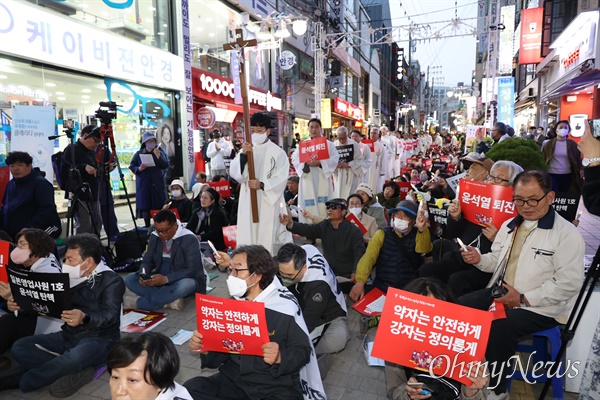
x=59, y=40
x=215, y=87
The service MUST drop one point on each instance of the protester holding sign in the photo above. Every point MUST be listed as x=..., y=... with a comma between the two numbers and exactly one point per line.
x=349, y=172
x=207, y=223
x=90, y=329
x=535, y=278
x=355, y=207
x=33, y=253
x=316, y=186
x=288, y=367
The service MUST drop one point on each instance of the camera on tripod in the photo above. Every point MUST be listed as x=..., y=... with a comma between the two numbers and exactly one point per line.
x=107, y=111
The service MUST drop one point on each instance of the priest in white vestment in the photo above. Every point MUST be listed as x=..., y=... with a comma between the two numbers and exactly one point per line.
x=366, y=154
x=349, y=171
x=316, y=186
x=379, y=166
x=271, y=167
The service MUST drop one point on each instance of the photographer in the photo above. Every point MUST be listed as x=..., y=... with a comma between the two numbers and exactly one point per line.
x=85, y=179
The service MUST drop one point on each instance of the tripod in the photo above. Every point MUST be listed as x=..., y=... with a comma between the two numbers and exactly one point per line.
x=591, y=279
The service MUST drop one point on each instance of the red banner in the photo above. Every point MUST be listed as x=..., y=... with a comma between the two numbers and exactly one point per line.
x=370, y=299
x=435, y=335
x=230, y=235
x=352, y=218
x=404, y=189
x=223, y=188
x=4, y=254
x=484, y=203
x=370, y=143
x=314, y=149
x=532, y=23
x=427, y=163
x=174, y=210
x=497, y=310
x=231, y=326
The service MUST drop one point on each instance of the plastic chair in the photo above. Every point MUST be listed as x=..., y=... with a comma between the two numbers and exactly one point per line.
x=540, y=347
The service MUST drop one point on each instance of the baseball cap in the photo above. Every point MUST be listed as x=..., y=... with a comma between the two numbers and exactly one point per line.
x=409, y=207
x=147, y=136
x=339, y=201
x=477, y=158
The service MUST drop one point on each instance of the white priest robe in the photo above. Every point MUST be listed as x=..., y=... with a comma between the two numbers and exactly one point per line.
x=367, y=162
x=345, y=180
x=272, y=167
x=391, y=144
x=316, y=186
x=378, y=168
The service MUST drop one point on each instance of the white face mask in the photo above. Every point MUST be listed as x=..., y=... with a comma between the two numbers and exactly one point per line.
x=355, y=210
x=237, y=286
x=259, y=138
x=75, y=273
x=562, y=132
x=176, y=193
x=401, y=225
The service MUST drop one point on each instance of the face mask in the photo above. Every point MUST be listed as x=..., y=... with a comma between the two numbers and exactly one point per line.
x=237, y=286
x=19, y=256
x=176, y=193
x=258, y=138
x=401, y=225
x=75, y=273
x=562, y=132
x=355, y=210
x=150, y=146
x=287, y=282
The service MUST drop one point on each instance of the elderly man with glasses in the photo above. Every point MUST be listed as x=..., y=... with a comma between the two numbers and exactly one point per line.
x=537, y=266
x=171, y=268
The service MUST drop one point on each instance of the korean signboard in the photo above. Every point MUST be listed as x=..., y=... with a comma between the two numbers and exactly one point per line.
x=347, y=109
x=231, y=326
x=313, y=149
x=532, y=23
x=47, y=294
x=506, y=100
x=483, y=203
x=435, y=334
x=326, y=113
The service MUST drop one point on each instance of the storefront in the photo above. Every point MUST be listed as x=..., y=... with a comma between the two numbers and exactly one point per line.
x=71, y=59
x=346, y=114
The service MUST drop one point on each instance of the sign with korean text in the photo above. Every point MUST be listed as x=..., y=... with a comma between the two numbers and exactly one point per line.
x=435, y=335
x=56, y=39
x=484, y=203
x=427, y=163
x=353, y=219
x=230, y=236
x=566, y=204
x=438, y=219
x=223, y=188
x=346, y=152
x=287, y=60
x=505, y=46
x=313, y=149
x=371, y=304
x=506, y=100
x=370, y=143
x=205, y=118
x=532, y=23
x=4, y=254
x=347, y=109
x=439, y=165
x=404, y=189
x=231, y=326
x=326, y=113
x=46, y=294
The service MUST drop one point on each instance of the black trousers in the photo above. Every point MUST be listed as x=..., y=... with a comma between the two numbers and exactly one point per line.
x=505, y=334
x=14, y=328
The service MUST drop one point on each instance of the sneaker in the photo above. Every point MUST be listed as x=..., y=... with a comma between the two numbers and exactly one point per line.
x=175, y=305
x=367, y=323
x=70, y=384
x=130, y=302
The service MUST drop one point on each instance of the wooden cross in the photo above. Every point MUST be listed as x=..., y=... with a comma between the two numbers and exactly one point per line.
x=239, y=44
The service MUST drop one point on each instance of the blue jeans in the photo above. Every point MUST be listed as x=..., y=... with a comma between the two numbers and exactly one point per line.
x=155, y=297
x=44, y=369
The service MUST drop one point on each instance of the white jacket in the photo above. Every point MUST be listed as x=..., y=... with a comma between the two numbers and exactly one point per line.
x=217, y=157
x=550, y=267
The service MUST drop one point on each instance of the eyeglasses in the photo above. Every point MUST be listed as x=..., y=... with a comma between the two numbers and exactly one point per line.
x=530, y=202
x=288, y=275
x=164, y=231
x=496, y=179
x=147, y=102
x=335, y=206
x=234, y=271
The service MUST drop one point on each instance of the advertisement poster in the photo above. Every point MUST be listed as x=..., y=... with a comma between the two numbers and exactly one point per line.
x=46, y=294
x=532, y=24
x=474, y=134
x=313, y=149
x=231, y=326
x=435, y=334
x=223, y=188
x=483, y=203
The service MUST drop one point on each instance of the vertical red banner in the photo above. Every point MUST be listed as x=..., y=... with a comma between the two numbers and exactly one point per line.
x=483, y=203
x=532, y=25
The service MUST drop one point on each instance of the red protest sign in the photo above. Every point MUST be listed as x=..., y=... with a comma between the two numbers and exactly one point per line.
x=435, y=335
x=370, y=143
x=223, y=188
x=406, y=170
x=370, y=303
x=427, y=162
x=230, y=235
x=4, y=254
x=313, y=149
x=231, y=326
x=404, y=189
x=174, y=210
x=483, y=203
x=497, y=310
x=352, y=218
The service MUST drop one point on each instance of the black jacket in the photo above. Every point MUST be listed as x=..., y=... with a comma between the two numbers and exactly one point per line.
x=318, y=303
x=28, y=202
x=211, y=225
x=263, y=381
x=101, y=300
x=183, y=206
x=591, y=190
x=83, y=157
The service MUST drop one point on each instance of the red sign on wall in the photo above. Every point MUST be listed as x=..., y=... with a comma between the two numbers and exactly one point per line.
x=313, y=149
x=231, y=326
x=531, y=35
x=205, y=118
x=435, y=335
x=347, y=109
x=223, y=188
x=483, y=203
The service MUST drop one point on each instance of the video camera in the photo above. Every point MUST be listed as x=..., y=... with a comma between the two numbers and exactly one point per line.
x=107, y=111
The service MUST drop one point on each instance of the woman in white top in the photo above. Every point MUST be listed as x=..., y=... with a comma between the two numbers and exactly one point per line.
x=33, y=252
x=564, y=160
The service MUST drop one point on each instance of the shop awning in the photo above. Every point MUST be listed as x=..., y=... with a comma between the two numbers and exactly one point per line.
x=524, y=104
x=576, y=84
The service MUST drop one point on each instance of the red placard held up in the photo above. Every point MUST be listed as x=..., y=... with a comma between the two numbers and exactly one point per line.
x=362, y=306
x=4, y=254
x=427, y=163
x=370, y=143
x=174, y=210
x=352, y=218
x=223, y=188
x=313, y=149
x=231, y=326
x=436, y=335
x=486, y=203
x=230, y=235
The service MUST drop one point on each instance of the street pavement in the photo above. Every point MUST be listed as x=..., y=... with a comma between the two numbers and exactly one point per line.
x=349, y=377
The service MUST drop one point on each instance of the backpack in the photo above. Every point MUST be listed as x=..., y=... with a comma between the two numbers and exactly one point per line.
x=61, y=171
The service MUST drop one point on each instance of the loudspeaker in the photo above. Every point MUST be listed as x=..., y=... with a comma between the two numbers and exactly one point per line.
x=336, y=68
